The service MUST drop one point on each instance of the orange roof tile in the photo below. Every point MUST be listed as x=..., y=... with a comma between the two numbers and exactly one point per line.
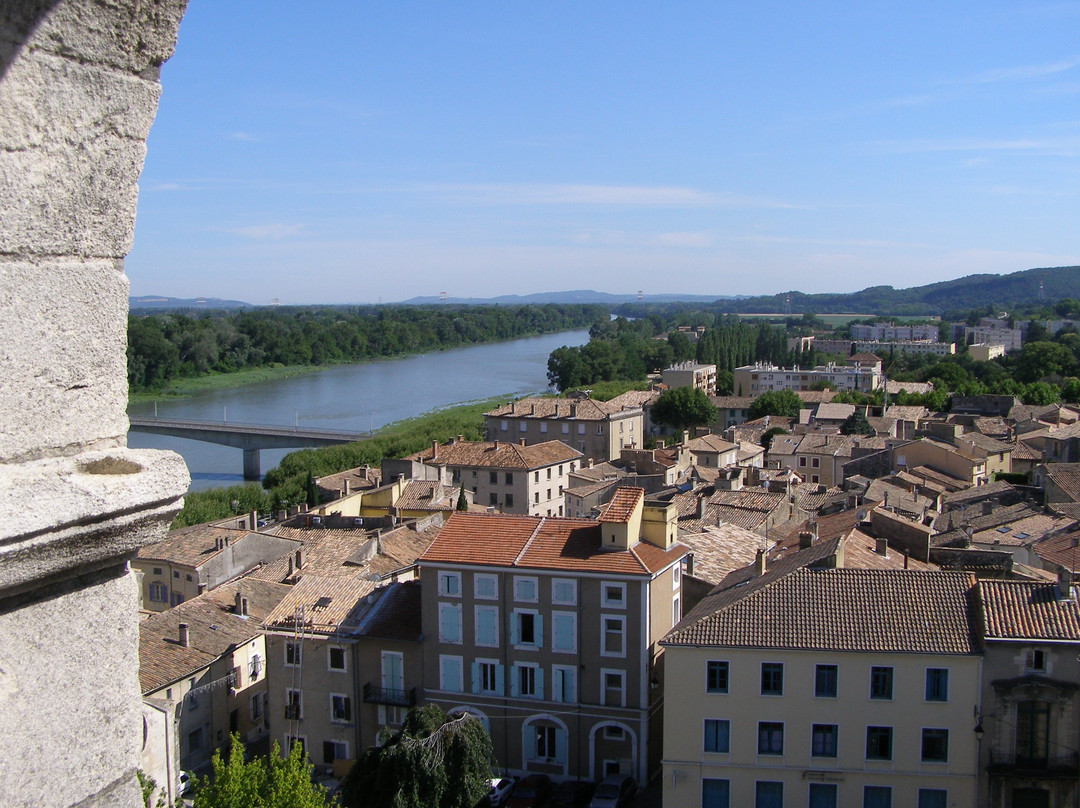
x=621, y=506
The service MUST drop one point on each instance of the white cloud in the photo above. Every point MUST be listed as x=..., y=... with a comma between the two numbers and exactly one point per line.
x=265, y=232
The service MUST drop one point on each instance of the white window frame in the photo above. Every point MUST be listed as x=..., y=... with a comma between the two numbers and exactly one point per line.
x=522, y=581
x=344, y=659
x=346, y=701
x=494, y=611
x=604, y=652
x=572, y=616
x=604, y=674
x=555, y=584
x=159, y=592
x=573, y=674
x=450, y=660
x=298, y=657
x=534, y=667
x=606, y=601
x=495, y=664
x=449, y=584
x=480, y=577
x=455, y=608
x=538, y=629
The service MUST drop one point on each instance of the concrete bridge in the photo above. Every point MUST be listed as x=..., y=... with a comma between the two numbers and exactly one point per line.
x=249, y=437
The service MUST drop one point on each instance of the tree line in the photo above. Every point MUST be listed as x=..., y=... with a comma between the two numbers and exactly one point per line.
x=168, y=346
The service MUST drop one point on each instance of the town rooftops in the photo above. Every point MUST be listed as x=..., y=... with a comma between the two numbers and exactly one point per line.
x=539, y=542
x=1065, y=476
x=322, y=605
x=213, y=628
x=192, y=546
x=877, y=611
x=1028, y=610
x=622, y=505
x=396, y=616
x=711, y=443
x=496, y=454
x=581, y=409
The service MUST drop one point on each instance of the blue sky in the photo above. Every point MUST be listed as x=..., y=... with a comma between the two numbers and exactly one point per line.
x=354, y=152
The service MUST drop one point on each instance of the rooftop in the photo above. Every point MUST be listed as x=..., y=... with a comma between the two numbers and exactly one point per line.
x=581, y=409
x=1028, y=610
x=497, y=454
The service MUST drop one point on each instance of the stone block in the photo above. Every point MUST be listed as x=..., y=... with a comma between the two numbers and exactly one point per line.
x=70, y=708
x=72, y=146
x=132, y=35
x=62, y=356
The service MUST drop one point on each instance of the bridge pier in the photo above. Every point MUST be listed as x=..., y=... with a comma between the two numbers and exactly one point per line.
x=251, y=464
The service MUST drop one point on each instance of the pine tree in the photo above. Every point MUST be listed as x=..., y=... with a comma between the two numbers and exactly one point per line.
x=462, y=502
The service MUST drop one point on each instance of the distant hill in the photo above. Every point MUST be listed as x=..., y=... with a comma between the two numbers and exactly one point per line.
x=973, y=291
x=576, y=296
x=159, y=303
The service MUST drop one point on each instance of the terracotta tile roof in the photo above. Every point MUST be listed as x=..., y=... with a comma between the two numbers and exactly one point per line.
x=396, y=616
x=360, y=478
x=213, y=628
x=748, y=451
x=621, y=506
x=825, y=444
x=583, y=409
x=894, y=387
x=1065, y=476
x=834, y=412
x=831, y=526
x=323, y=604
x=740, y=517
x=720, y=550
x=540, y=543
x=711, y=443
x=191, y=546
x=426, y=495
x=984, y=443
x=906, y=413
x=634, y=398
x=497, y=454
x=1022, y=450
x=1024, y=531
x=1060, y=550
x=814, y=497
x=815, y=396
x=991, y=490
x=994, y=426
x=399, y=548
x=753, y=499
x=876, y=611
x=946, y=481
x=1028, y=610
x=732, y=402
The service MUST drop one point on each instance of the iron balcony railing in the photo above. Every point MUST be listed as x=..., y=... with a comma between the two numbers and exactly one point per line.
x=388, y=695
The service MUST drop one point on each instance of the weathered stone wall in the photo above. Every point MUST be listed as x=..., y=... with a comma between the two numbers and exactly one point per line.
x=78, y=93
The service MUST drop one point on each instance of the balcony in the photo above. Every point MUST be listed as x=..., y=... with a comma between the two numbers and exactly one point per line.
x=1017, y=765
x=389, y=696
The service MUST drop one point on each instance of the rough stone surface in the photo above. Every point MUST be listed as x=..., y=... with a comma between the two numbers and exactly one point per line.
x=72, y=144
x=70, y=708
x=62, y=356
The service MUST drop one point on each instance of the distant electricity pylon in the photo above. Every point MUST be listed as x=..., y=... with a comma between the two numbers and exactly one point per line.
x=640, y=295
x=442, y=297
x=275, y=302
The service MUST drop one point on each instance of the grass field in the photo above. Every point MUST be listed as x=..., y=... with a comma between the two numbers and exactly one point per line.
x=181, y=388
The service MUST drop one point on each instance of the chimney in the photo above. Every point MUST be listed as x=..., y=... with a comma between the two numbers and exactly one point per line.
x=806, y=539
x=303, y=507
x=241, y=607
x=300, y=558
x=987, y=508
x=184, y=635
x=701, y=507
x=434, y=450
x=573, y=410
x=521, y=442
x=689, y=564
x=1063, y=581
x=685, y=436
x=759, y=563
x=496, y=446
x=290, y=572
x=345, y=487
x=253, y=520
x=590, y=462
x=881, y=547
x=461, y=438
x=282, y=515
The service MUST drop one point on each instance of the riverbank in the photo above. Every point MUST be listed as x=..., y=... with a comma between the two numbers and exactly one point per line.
x=187, y=387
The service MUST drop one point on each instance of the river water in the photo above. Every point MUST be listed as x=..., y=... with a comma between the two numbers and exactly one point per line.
x=352, y=398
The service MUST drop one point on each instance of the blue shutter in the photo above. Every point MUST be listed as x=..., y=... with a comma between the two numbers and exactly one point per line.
x=475, y=668
x=539, y=683
x=560, y=745
x=558, y=632
x=500, y=681
x=513, y=628
x=514, y=682
x=528, y=750
x=539, y=631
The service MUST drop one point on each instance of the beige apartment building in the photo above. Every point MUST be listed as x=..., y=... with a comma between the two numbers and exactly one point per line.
x=753, y=380
x=691, y=374
x=827, y=688
x=597, y=429
x=959, y=462
x=546, y=630
x=511, y=477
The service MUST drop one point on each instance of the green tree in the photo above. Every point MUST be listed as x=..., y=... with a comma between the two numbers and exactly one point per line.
x=683, y=408
x=311, y=492
x=435, y=761
x=462, y=502
x=784, y=403
x=768, y=435
x=1040, y=359
x=856, y=424
x=262, y=782
x=725, y=383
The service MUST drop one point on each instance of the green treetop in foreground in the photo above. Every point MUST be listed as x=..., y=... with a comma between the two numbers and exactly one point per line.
x=683, y=408
x=785, y=403
x=263, y=782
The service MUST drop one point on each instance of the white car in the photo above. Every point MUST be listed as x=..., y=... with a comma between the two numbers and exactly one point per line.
x=186, y=782
x=500, y=790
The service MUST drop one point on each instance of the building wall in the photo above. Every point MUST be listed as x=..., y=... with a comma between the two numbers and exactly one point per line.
x=535, y=492
x=687, y=705
x=753, y=380
x=599, y=440
x=942, y=458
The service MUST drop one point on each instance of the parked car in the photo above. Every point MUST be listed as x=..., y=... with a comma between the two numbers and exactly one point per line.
x=614, y=791
x=500, y=790
x=572, y=794
x=186, y=782
x=530, y=792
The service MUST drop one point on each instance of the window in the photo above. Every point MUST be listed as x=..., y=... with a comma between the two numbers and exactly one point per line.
x=188, y=578
x=545, y=742
x=334, y=750
x=877, y=797
x=564, y=632
x=716, y=676
x=613, y=641
x=157, y=570
x=340, y=708
x=525, y=589
x=159, y=593
x=822, y=795
x=487, y=677
x=1032, y=732
x=881, y=682
x=935, y=745
x=614, y=693
x=548, y=496
x=768, y=794
x=337, y=658
x=493, y=498
x=195, y=740
x=937, y=684
x=450, y=622
x=566, y=429
x=175, y=574
x=802, y=462
x=676, y=610
x=523, y=427
x=1034, y=660
x=543, y=427
x=879, y=743
x=564, y=683
x=581, y=429
x=508, y=478
x=450, y=674
x=493, y=477
x=825, y=677
x=292, y=653
x=528, y=681
x=549, y=473
x=564, y=592
x=527, y=628
x=815, y=462
x=450, y=584
x=772, y=678
x=485, y=587
x=487, y=626
x=613, y=733
x=717, y=735
x=934, y=798
x=613, y=596
x=823, y=740
x=509, y=500
x=599, y=429
x=715, y=793
x=770, y=738
x=503, y=426
x=294, y=709
x=536, y=498
x=256, y=707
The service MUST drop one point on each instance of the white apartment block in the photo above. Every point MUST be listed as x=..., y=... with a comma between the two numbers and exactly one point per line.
x=885, y=333
x=753, y=380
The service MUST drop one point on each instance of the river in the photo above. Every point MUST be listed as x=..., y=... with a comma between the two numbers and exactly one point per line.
x=354, y=398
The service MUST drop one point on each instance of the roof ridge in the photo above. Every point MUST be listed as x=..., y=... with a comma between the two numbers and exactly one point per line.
x=528, y=541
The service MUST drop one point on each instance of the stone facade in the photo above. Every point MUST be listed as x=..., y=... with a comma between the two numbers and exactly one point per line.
x=78, y=93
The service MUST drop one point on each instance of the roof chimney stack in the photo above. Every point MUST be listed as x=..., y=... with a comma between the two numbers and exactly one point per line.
x=253, y=520
x=521, y=442
x=300, y=558
x=881, y=547
x=1063, y=581
x=759, y=563
x=806, y=539
x=434, y=450
x=184, y=635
